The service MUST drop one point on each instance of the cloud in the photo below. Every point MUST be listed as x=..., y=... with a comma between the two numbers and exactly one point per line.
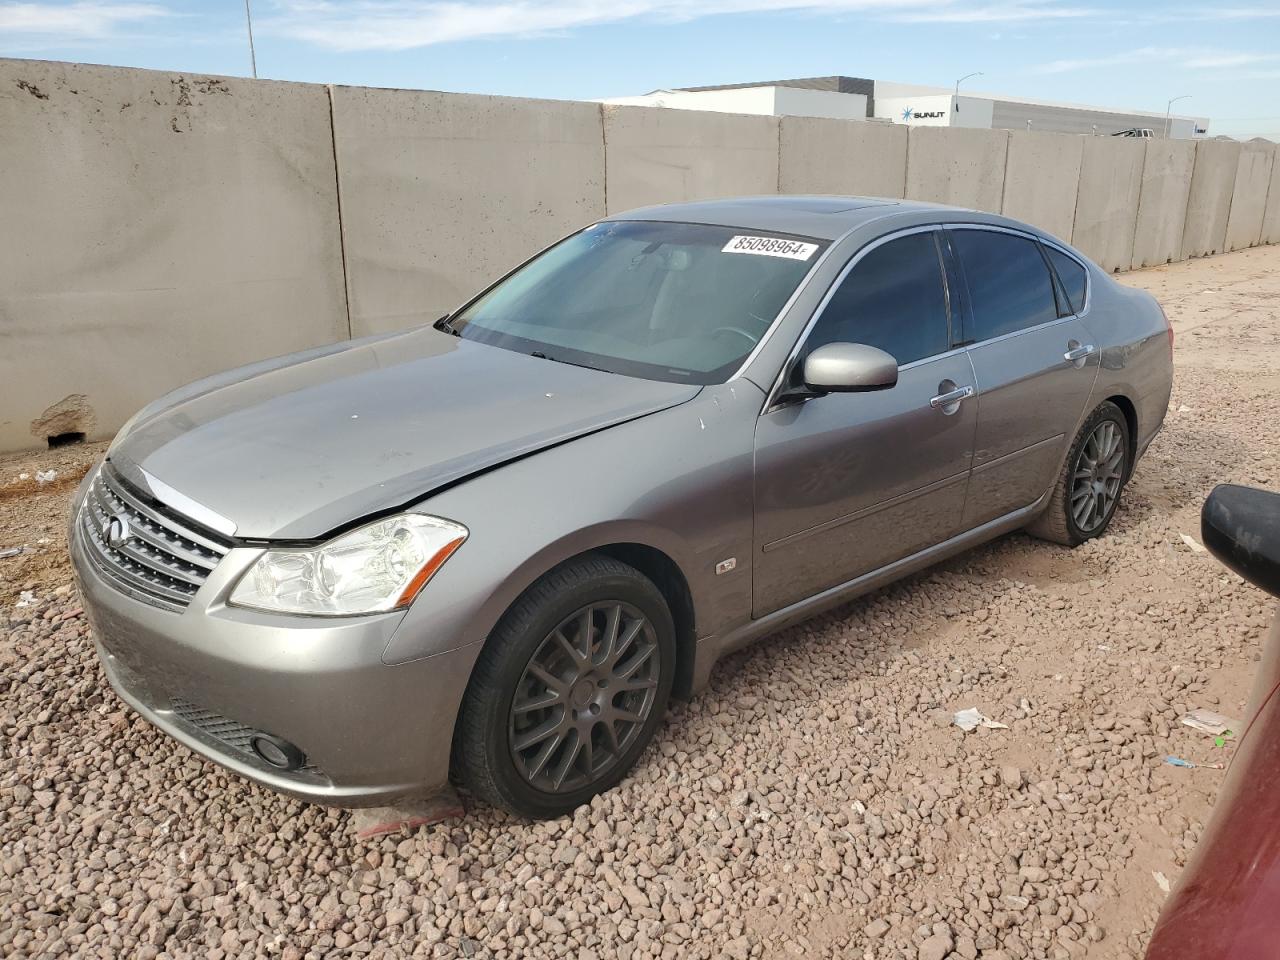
x=407, y=24
x=994, y=13
x=1188, y=57
x=83, y=20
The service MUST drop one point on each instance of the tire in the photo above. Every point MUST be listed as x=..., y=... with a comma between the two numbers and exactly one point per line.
x=509, y=706
x=1059, y=523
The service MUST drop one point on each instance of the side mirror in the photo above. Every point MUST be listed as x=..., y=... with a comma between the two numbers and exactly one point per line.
x=1241, y=527
x=849, y=368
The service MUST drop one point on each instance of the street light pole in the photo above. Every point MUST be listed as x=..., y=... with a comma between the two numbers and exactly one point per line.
x=960, y=81
x=964, y=78
x=1169, y=107
x=253, y=57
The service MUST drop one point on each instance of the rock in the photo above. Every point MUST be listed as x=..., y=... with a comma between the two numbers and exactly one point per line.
x=876, y=928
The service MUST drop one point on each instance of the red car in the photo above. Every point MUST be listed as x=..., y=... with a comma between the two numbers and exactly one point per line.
x=1227, y=904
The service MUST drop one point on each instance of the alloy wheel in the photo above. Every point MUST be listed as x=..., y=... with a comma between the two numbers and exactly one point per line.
x=1097, y=477
x=584, y=696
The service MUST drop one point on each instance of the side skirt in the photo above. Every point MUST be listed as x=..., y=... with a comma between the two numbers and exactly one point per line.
x=712, y=648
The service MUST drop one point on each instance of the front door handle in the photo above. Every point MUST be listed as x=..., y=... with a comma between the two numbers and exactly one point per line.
x=1078, y=352
x=949, y=401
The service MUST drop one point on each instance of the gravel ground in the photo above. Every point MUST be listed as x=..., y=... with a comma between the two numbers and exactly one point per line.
x=814, y=802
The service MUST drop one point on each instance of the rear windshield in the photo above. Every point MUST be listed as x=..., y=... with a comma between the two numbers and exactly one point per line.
x=679, y=302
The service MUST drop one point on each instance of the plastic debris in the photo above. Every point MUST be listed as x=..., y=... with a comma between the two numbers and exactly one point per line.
x=973, y=718
x=26, y=599
x=46, y=476
x=1207, y=721
x=1161, y=880
x=1190, y=764
x=1195, y=545
x=8, y=552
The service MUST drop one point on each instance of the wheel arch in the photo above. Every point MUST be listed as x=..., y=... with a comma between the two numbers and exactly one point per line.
x=1130, y=411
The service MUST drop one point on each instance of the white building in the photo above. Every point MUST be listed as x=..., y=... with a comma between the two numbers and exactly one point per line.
x=770, y=99
x=856, y=98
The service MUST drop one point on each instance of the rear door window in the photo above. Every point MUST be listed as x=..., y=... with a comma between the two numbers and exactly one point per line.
x=1010, y=287
x=1073, y=276
x=894, y=298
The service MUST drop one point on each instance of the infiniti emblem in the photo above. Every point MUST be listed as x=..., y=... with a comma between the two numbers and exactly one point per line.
x=115, y=530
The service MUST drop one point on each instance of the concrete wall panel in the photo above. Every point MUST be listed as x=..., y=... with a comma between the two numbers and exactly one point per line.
x=1209, y=203
x=1249, y=196
x=957, y=166
x=442, y=193
x=1162, y=206
x=842, y=157
x=1042, y=179
x=662, y=156
x=156, y=227
x=1107, y=202
x=1271, y=217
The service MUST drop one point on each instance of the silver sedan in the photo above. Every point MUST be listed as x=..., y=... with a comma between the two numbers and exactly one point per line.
x=493, y=547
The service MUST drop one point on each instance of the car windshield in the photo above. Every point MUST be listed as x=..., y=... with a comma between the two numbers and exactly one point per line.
x=680, y=302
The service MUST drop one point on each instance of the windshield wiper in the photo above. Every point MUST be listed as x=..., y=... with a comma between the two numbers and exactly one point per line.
x=542, y=356
x=444, y=326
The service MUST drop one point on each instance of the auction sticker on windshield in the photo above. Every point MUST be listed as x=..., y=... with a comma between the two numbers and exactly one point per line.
x=770, y=247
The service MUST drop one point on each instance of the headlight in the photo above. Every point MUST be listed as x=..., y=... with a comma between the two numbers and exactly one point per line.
x=378, y=567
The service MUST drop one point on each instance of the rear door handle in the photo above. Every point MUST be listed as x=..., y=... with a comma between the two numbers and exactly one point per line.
x=951, y=398
x=1079, y=352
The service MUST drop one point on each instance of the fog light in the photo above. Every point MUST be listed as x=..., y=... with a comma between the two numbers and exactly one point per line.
x=281, y=754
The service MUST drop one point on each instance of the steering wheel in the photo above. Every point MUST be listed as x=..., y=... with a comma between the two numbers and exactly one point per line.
x=740, y=332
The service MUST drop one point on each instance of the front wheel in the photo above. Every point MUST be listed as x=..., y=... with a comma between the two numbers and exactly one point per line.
x=1088, y=490
x=569, y=689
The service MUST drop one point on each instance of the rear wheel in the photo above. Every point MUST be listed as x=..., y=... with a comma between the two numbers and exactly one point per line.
x=1092, y=479
x=569, y=689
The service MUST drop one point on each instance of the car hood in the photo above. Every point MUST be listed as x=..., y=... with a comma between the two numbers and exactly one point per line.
x=296, y=449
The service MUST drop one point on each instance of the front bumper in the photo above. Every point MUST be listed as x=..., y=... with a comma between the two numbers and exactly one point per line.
x=212, y=675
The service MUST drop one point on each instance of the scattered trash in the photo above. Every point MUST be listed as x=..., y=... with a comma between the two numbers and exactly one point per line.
x=1195, y=545
x=8, y=552
x=973, y=718
x=46, y=476
x=1016, y=901
x=26, y=599
x=1191, y=765
x=24, y=476
x=1161, y=880
x=1184, y=409
x=1206, y=721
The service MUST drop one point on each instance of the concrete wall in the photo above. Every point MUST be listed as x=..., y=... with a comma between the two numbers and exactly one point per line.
x=662, y=156
x=155, y=228
x=443, y=193
x=960, y=167
x=1107, y=201
x=1209, y=203
x=834, y=156
x=1271, y=217
x=1042, y=179
x=1249, y=196
x=1162, y=205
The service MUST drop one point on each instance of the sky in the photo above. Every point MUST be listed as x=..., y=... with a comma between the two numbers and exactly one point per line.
x=1133, y=55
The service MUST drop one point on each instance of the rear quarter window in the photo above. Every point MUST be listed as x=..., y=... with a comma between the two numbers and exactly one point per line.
x=1075, y=278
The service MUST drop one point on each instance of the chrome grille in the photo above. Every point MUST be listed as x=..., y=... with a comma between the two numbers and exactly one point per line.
x=162, y=561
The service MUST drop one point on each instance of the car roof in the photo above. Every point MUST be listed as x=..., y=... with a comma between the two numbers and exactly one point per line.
x=820, y=217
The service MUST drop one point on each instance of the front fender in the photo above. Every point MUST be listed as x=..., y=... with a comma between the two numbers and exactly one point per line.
x=677, y=481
